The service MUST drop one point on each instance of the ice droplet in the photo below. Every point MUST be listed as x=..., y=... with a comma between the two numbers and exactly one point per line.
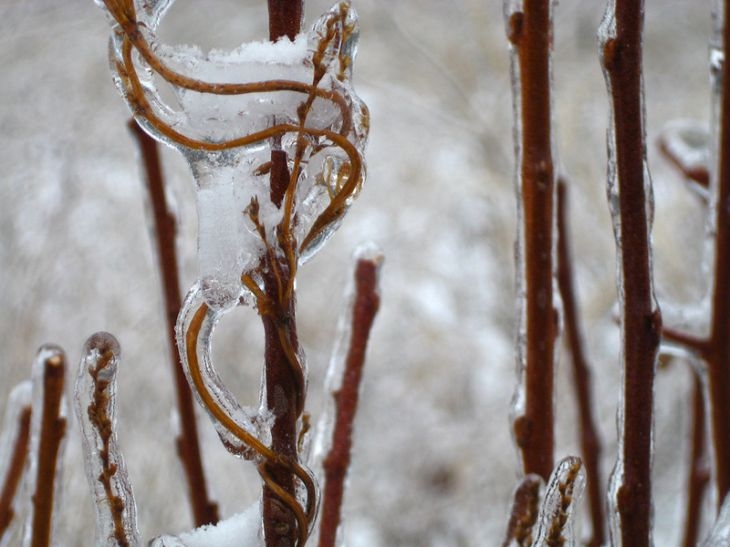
x=231, y=110
x=106, y=472
x=195, y=326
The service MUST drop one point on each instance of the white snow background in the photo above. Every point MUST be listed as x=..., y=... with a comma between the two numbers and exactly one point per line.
x=433, y=461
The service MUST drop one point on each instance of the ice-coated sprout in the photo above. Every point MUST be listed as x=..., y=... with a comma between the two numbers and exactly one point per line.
x=95, y=402
x=232, y=110
x=45, y=451
x=240, y=530
x=195, y=327
x=19, y=403
x=557, y=511
x=720, y=534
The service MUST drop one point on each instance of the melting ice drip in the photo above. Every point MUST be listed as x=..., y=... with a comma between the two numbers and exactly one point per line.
x=232, y=109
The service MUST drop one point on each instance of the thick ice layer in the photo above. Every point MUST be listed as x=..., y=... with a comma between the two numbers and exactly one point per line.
x=195, y=326
x=95, y=401
x=241, y=530
x=232, y=109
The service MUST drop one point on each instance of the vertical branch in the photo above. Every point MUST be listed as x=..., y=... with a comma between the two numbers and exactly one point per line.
x=719, y=357
x=337, y=462
x=15, y=470
x=698, y=475
x=52, y=431
x=530, y=32
x=204, y=510
x=640, y=320
x=590, y=443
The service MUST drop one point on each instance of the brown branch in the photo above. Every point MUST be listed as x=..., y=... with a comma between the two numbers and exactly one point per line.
x=525, y=509
x=337, y=462
x=641, y=323
x=589, y=439
x=204, y=510
x=694, y=344
x=719, y=357
x=698, y=174
x=15, y=470
x=285, y=18
x=699, y=472
x=530, y=33
x=52, y=431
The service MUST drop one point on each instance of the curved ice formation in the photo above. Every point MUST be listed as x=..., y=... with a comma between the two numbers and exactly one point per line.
x=232, y=110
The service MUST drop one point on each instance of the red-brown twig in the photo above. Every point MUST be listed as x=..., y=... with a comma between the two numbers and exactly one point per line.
x=640, y=321
x=204, y=510
x=15, y=470
x=699, y=472
x=337, y=462
x=698, y=174
x=589, y=439
x=525, y=509
x=52, y=431
x=284, y=388
x=530, y=32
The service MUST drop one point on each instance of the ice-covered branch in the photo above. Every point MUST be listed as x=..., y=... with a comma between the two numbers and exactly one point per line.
x=164, y=231
x=685, y=144
x=47, y=431
x=95, y=392
x=529, y=29
x=699, y=469
x=589, y=439
x=14, y=441
x=343, y=377
x=631, y=204
x=525, y=509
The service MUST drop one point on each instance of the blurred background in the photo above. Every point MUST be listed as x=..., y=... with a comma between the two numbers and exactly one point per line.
x=434, y=464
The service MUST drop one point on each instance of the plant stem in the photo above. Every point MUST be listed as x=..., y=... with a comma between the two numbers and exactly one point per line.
x=525, y=509
x=590, y=443
x=15, y=470
x=641, y=322
x=719, y=357
x=53, y=429
x=204, y=510
x=530, y=33
x=337, y=462
x=698, y=476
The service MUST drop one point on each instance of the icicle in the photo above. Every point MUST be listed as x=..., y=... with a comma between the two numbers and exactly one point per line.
x=720, y=533
x=13, y=453
x=47, y=431
x=233, y=109
x=95, y=394
x=195, y=326
x=562, y=494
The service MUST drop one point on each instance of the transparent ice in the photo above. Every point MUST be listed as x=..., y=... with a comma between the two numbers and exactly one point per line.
x=95, y=402
x=720, y=534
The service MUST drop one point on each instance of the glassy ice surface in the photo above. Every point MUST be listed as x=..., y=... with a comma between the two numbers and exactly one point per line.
x=205, y=382
x=563, y=493
x=95, y=402
x=47, y=353
x=294, y=96
x=240, y=530
x=720, y=534
x=18, y=400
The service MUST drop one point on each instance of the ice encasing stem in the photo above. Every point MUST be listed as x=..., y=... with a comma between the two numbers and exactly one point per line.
x=640, y=320
x=529, y=31
x=284, y=388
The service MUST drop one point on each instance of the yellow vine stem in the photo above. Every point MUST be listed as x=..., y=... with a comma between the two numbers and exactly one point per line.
x=304, y=517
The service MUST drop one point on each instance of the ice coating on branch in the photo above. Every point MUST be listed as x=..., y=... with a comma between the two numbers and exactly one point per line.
x=231, y=110
x=47, y=372
x=195, y=326
x=95, y=402
x=687, y=143
x=240, y=530
x=557, y=511
x=19, y=401
x=720, y=534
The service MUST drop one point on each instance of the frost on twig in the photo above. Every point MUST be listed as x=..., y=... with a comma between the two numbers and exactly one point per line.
x=47, y=431
x=343, y=378
x=95, y=392
x=14, y=439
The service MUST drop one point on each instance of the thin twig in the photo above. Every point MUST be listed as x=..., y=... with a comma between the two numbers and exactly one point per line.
x=337, y=462
x=589, y=439
x=525, y=509
x=699, y=472
x=52, y=431
x=15, y=470
x=204, y=510
x=530, y=32
x=641, y=322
